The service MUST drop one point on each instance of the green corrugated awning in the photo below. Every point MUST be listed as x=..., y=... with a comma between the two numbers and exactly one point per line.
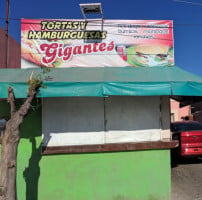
x=105, y=81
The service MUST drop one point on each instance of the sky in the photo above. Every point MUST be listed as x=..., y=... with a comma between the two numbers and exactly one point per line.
x=186, y=16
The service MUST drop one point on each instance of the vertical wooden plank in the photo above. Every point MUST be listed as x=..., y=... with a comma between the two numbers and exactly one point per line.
x=165, y=109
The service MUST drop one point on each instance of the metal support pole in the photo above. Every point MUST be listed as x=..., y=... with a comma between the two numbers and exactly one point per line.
x=7, y=26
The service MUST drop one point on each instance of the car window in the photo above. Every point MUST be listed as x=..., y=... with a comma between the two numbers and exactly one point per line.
x=177, y=127
x=185, y=126
x=193, y=126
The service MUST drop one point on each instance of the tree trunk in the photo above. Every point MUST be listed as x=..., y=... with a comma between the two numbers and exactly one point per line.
x=10, y=140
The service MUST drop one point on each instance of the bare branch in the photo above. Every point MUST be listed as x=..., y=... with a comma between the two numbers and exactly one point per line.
x=11, y=100
x=31, y=76
x=34, y=84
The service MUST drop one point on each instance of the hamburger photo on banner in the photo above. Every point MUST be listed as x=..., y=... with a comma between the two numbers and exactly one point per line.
x=147, y=55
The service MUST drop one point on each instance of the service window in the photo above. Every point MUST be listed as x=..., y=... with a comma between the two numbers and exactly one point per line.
x=74, y=121
x=132, y=119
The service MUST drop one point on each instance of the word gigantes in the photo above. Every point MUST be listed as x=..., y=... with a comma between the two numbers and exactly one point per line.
x=52, y=51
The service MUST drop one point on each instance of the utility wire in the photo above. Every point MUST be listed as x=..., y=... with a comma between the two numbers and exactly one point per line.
x=108, y=24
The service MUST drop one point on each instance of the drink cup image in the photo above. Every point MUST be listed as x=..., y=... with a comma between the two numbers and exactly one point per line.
x=121, y=49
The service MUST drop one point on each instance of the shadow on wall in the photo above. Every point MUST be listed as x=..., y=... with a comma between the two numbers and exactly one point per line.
x=32, y=173
x=31, y=129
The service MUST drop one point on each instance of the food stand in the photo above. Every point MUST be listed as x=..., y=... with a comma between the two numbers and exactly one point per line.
x=100, y=130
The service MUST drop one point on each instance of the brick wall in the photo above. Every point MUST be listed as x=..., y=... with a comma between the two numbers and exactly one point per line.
x=14, y=51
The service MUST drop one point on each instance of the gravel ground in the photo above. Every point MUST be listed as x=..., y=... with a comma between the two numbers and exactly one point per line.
x=187, y=179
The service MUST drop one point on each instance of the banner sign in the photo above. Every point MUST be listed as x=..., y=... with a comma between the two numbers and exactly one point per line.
x=79, y=43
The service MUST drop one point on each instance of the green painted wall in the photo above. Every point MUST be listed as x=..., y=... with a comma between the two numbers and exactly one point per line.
x=137, y=175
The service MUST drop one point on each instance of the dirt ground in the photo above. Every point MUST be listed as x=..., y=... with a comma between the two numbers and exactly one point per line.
x=187, y=179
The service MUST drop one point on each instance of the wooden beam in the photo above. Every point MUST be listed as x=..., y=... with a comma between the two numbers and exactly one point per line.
x=109, y=147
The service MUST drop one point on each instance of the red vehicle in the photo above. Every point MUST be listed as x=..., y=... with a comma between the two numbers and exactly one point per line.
x=189, y=134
